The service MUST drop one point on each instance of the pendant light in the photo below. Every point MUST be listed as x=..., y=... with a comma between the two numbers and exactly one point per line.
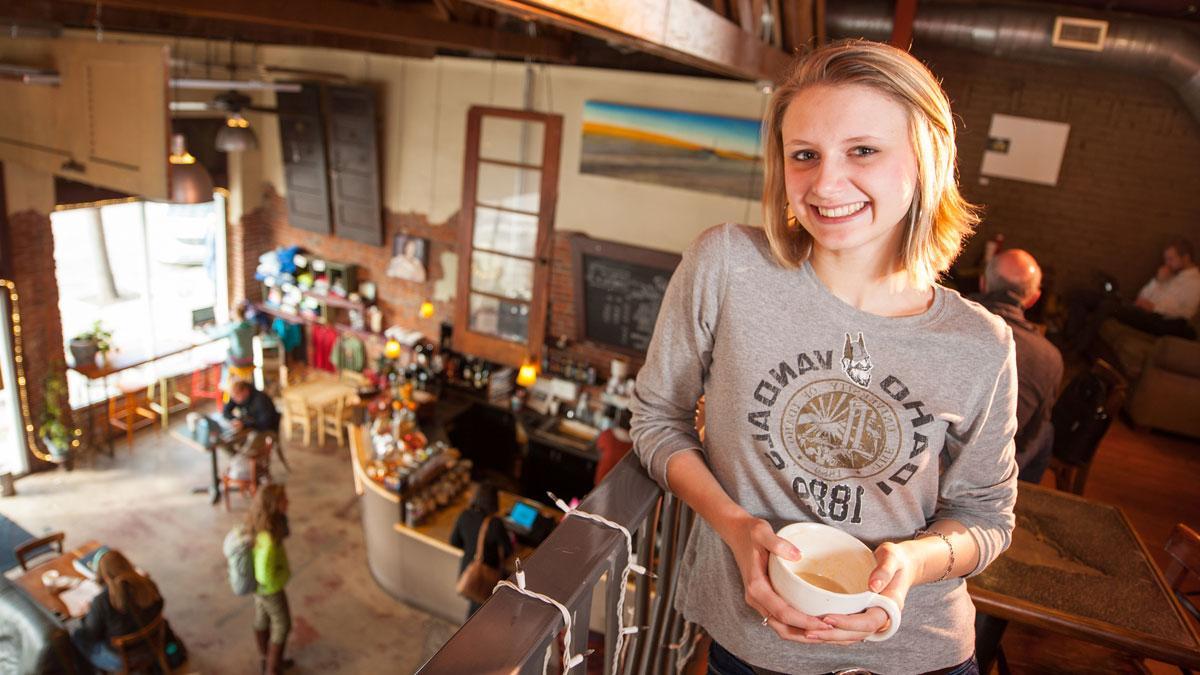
x=189, y=180
x=236, y=135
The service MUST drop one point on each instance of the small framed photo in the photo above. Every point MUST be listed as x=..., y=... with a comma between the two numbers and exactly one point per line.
x=410, y=258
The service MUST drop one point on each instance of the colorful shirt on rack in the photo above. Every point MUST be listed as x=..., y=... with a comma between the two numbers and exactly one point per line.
x=323, y=339
x=349, y=353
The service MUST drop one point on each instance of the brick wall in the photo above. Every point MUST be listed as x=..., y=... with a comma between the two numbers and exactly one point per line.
x=562, y=315
x=32, y=264
x=1129, y=174
x=267, y=227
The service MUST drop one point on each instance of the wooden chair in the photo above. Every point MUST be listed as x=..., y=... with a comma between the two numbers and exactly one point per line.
x=335, y=419
x=1183, y=570
x=247, y=486
x=34, y=548
x=297, y=414
x=1077, y=435
x=141, y=651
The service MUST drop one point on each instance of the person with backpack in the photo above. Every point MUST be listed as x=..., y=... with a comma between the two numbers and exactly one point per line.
x=267, y=522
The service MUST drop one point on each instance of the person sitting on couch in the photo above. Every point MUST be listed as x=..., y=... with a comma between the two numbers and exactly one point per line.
x=1165, y=305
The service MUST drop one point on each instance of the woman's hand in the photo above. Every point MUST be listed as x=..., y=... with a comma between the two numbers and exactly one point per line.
x=895, y=572
x=752, y=541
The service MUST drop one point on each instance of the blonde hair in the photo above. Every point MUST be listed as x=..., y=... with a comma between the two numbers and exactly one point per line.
x=940, y=218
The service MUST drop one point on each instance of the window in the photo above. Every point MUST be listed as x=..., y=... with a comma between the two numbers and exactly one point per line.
x=510, y=186
x=147, y=271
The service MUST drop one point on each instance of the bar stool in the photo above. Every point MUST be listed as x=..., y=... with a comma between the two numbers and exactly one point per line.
x=243, y=373
x=165, y=398
x=131, y=415
x=206, y=383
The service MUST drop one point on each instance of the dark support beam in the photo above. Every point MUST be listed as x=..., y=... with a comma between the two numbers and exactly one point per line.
x=117, y=19
x=679, y=30
x=358, y=21
x=902, y=26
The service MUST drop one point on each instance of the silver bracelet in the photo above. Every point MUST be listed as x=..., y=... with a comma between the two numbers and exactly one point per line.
x=950, y=564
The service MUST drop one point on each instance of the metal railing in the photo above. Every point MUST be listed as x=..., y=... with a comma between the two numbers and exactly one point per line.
x=513, y=633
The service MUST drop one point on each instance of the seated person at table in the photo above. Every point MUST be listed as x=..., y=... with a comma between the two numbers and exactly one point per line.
x=253, y=411
x=1012, y=284
x=128, y=602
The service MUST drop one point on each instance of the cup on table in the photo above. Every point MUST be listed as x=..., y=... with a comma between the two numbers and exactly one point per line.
x=831, y=576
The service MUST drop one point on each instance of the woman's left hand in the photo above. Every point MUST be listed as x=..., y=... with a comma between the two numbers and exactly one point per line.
x=894, y=574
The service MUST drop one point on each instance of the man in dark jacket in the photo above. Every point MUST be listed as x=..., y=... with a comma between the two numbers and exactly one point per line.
x=254, y=412
x=1012, y=284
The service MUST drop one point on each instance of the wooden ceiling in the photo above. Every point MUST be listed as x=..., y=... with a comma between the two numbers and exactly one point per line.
x=727, y=38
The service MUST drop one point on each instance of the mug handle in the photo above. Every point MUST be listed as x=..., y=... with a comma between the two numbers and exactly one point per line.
x=893, y=611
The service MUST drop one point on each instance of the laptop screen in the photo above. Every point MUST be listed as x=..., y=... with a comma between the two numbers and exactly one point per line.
x=523, y=514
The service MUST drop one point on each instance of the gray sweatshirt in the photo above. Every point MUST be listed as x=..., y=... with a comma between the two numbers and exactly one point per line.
x=817, y=411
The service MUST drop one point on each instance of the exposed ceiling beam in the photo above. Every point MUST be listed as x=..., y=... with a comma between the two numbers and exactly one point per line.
x=902, y=26
x=357, y=20
x=680, y=30
x=122, y=19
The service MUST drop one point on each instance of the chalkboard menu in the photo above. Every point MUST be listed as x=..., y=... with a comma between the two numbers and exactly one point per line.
x=618, y=290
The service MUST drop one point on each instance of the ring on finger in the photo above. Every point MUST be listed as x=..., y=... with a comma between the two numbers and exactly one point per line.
x=766, y=619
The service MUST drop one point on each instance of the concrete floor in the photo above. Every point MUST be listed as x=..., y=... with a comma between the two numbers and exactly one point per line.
x=140, y=502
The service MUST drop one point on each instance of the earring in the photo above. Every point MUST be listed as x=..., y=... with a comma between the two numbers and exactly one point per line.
x=790, y=218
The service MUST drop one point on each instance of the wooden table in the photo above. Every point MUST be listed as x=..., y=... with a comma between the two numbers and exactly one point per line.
x=31, y=580
x=318, y=394
x=1078, y=568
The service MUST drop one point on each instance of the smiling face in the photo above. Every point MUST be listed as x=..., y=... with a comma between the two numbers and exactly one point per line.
x=850, y=171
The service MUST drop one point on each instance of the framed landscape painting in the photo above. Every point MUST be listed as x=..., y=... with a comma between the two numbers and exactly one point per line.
x=693, y=151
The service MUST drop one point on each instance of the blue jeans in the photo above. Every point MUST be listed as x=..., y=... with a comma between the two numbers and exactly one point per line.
x=721, y=662
x=99, y=654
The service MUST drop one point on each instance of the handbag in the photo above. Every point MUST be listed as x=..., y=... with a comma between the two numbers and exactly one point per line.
x=478, y=579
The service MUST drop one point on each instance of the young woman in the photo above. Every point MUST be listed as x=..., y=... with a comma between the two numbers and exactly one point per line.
x=267, y=518
x=842, y=385
x=128, y=602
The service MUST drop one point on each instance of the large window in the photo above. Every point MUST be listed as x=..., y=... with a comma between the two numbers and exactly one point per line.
x=147, y=271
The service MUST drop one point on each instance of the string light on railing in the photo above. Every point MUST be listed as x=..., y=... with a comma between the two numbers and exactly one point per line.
x=631, y=566
x=19, y=360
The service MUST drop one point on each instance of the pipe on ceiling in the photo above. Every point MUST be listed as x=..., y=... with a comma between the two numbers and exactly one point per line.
x=1159, y=48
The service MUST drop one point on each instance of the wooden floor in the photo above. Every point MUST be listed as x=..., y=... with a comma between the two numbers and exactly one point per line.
x=1155, y=479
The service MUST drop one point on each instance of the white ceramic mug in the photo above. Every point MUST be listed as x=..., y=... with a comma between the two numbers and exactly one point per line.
x=831, y=576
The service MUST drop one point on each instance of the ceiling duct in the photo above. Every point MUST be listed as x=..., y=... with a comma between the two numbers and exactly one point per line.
x=1157, y=48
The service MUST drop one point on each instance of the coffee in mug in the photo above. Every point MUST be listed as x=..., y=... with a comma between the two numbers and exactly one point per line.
x=831, y=576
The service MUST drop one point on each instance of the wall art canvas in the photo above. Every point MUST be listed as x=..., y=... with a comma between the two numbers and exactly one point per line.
x=694, y=151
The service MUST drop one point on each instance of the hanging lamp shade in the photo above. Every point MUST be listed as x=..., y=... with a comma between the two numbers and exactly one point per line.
x=236, y=135
x=190, y=182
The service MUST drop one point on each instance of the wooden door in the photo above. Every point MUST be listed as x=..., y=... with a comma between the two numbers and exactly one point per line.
x=302, y=141
x=354, y=164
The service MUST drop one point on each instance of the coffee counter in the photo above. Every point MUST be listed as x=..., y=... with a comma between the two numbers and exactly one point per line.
x=415, y=565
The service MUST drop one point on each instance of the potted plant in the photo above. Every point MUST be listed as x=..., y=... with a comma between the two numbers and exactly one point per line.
x=85, y=345
x=53, y=431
